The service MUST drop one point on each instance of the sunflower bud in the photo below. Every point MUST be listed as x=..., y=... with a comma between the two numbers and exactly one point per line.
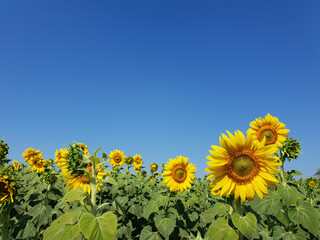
x=290, y=149
x=153, y=167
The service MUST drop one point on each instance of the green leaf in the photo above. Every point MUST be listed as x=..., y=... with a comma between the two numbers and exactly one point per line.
x=293, y=236
x=294, y=173
x=96, y=151
x=136, y=210
x=246, y=225
x=150, y=208
x=221, y=230
x=165, y=225
x=103, y=227
x=29, y=231
x=147, y=234
x=94, y=159
x=288, y=194
x=307, y=216
x=76, y=195
x=269, y=205
x=62, y=228
x=41, y=214
x=109, y=180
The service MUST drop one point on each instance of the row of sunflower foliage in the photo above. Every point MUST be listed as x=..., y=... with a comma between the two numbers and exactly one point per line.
x=87, y=196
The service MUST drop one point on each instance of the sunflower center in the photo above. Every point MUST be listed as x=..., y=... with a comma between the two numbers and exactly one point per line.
x=269, y=133
x=179, y=174
x=242, y=165
x=117, y=159
x=3, y=189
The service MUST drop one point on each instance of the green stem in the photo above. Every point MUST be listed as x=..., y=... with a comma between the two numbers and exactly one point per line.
x=284, y=180
x=239, y=209
x=94, y=184
x=5, y=222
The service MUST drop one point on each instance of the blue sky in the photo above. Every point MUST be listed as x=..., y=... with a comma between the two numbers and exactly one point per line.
x=157, y=78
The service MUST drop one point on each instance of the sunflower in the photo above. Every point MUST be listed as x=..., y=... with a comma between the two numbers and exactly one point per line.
x=16, y=165
x=153, y=167
x=178, y=174
x=311, y=182
x=39, y=165
x=242, y=166
x=137, y=161
x=117, y=158
x=31, y=153
x=269, y=128
x=74, y=181
x=156, y=175
x=6, y=189
x=137, y=170
x=62, y=160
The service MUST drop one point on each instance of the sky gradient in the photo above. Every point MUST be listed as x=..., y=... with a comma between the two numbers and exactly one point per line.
x=157, y=78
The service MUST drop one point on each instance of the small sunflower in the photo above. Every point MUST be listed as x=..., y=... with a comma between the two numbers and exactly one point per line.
x=16, y=165
x=179, y=174
x=311, y=182
x=137, y=170
x=153, y=167
x=242, y=166
x=39, y=164
x=137, y=161
x=117, y=158
x=74, y=181
x=269, y=128
x=156, y=175
x=31, y=153
x=6, y=189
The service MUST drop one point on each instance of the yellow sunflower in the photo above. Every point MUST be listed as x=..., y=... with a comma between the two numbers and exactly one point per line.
x=39, y=164
x=156, y=175
x=311, y=182
x=62, y=160
x=153, y=167
x=117, y=158
x=31, y=153
x=6, y=189
x=178, y=174
x=269, y=128
x=137, y=161
x=16, y=165
x=74, y=181
x=137, y=170
x=242, y=166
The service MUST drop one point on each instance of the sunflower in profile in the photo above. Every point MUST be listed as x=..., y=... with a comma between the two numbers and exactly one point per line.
x=82, y=181
x=16, y=165
x=84, y=148
x=6, y=189
x=62, y=160
x=178, y=174
x=137, y=161
x=269, y=128
x=117, y=158
x=242, y=166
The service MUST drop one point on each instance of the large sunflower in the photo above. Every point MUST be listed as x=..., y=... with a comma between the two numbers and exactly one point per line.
x=6, y=189
x=74, y=181
x=137, y=161
x=117, y=158
x=269, y=128
x=242, y=166
x=178, y=174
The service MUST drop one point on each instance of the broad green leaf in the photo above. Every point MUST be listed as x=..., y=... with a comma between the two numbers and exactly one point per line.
x=293, y=236
x=75, y=195
x=269, y=205
x=221, y=230
x=246, y=225
x=62, y=228
x=150, y=208
x=41, y=214
x=147, y=234
x=307, y=216
x=103, y=227
x=136, y=210
x=288, y=194
x=165, y=225
x=218, y=209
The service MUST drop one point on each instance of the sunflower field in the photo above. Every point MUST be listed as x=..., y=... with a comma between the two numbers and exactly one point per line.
x=78, y=194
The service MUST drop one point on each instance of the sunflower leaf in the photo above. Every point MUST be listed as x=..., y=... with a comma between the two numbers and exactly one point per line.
x=288, y=194
x=221, y=230
x=246, y=225
x=147, y=234
x=165, y=225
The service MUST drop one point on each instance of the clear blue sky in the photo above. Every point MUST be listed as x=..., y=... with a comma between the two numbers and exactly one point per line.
x=157, y=78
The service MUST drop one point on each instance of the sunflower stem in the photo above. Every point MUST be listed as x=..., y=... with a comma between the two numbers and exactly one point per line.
x=93, y=184
x=283, y=178
x=5, y=222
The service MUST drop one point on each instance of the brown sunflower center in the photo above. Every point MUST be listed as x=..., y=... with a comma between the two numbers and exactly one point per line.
x=269, y=133
x=3, y=190
x=179, y=174
x=242, y=167
x=117, y=159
